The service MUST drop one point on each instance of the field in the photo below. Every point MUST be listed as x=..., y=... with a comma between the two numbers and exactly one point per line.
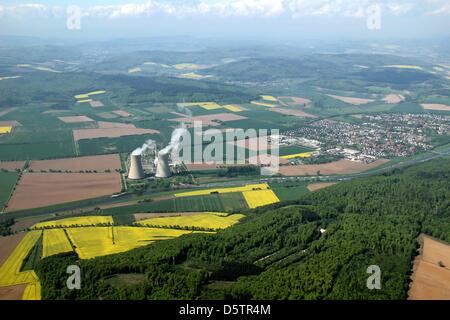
x=431, y=272
x=12, y=292
x=350, y=100
x=79, y=134
x=210, y=120
x=260, y=198
x=337, y=167
x=91, y=242
x=250, y=187
x=75, y=222
x=436, y=106
x=206, y=220
x=8, y=244
x=234, y=108
x=295, y=101
x=320, y=185
x=290, y=112
x=7, y=183
x=394, y=98
x=92, y=163
x=298, y=155
x=5, y=130
x=54, y=242
x=226, y=202
x=122, y=113
x=10, y=271
x=75, y=119
x=55, y=188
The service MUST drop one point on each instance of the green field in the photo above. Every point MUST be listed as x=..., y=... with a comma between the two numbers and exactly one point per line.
x=7, y=182
x=288, y=192
x=231, y=202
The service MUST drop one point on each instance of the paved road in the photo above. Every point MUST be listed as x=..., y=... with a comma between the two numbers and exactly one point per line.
x=130, y=197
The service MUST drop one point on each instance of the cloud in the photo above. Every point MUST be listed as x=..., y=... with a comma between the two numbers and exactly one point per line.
x=444, y=9
x=239, y=8
x=400, y=9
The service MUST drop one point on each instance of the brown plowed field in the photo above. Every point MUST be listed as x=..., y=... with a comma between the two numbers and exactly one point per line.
x=8, y=244
x=436, y=106
x=98, y=163
x=351, y=100
x=36, y=190
x=110, y=125
x=320, y=185
x=431, y=272
x=394, y=98
x=122, y=113
x=337, y=167
x=12, y=292
x=75, y=119
x=211, y=120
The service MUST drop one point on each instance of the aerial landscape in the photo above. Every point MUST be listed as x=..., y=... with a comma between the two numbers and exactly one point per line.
x=187, y=163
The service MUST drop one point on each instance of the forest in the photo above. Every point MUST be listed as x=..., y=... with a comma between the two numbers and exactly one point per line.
x=316, y=247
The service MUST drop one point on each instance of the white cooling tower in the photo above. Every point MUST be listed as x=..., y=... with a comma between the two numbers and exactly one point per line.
x=136, y=171
x=163, y=169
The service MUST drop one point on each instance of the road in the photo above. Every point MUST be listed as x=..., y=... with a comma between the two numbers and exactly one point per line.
x=107, y=201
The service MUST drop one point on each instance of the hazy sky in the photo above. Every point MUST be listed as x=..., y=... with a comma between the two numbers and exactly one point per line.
x=257, y=18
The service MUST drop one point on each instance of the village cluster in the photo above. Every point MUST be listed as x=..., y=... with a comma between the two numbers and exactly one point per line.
x=372, y=136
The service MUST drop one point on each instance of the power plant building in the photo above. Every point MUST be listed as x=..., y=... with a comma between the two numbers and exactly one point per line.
x=163, y=168
x=136, y=171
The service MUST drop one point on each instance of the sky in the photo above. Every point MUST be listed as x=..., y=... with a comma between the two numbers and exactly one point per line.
x=307, y=19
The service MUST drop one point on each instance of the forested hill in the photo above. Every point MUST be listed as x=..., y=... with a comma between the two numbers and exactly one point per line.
x=280, y=252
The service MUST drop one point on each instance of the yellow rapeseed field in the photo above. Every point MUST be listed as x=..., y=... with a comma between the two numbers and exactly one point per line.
x=186, y=66
x=257, y=103
x=260, y=198
x=32, y=291
x=10, y=274
x=204, y=105
x=269, y=98
x=193, y=75
x=298, y=155
x=88, y=95
x=233, y=108
x=134, y=70
x=54, y=242
x=249, y=187
x=91, y=242
x=208, y=220
x=76, y=221
x=4, y=130
x=399, y=66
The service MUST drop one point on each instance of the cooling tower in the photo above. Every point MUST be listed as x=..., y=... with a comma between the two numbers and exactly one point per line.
x=163, y=169
x=136, y=171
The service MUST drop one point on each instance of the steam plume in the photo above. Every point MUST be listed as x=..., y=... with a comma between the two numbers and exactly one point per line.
x=149, y=144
